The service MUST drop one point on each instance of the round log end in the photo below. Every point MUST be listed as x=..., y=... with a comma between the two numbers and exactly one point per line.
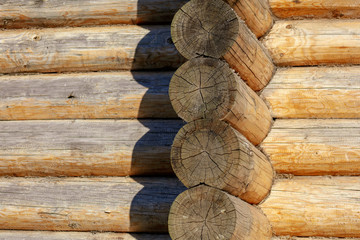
x=209, y=152
x=202, y=213
x=204, y=28
x=207, y=213
x=202, y=88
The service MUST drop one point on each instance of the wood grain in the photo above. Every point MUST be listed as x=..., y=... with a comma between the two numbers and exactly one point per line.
x=256, y=14
x=87, y=49
x=314, y=146
x=213, y=29
x=314, y=42
x=52, y=13
x=312, y=92
x=310, y=238
x=315, y=206
x=213, y=153
x=205, y=88
x=316, y=8
x=86, y=96
x=49, y=235
x=204, y=212
x=87, y=204
x=86, y=147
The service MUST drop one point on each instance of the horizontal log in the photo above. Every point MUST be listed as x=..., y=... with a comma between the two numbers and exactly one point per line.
x=314, y=42
x=310, y=238
x=48, y=235
x=204, y=212
x=311, y=92
x=208, y=88
x=87, y=204
x=52, y=13
x=86, y=96
x=256, y=14
x=87, y=49
x=213, y=29
x=314, y=147
x=315, y=206
x=86, y=147
x=213, y=153
x=316, y=8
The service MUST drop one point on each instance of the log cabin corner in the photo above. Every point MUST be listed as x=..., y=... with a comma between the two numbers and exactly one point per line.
x=180, y=119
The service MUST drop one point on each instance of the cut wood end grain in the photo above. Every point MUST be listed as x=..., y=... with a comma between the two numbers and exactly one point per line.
x=206, y=88
x=213, y=153
x=205, y=212
x=204, y=28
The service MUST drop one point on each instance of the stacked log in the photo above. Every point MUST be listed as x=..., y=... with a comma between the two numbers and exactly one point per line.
x=214, y=153
x=213, y=29
x=298, y=206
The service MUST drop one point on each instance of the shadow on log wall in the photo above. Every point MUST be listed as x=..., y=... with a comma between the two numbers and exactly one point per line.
x=142, y=153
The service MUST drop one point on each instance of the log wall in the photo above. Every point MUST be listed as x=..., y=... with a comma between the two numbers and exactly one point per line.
x=61, y=62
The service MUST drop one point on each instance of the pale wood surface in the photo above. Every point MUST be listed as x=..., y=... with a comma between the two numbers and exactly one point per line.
x=314, y=42
x=316, y=8
x=48, y=235
x=256, y=14
x=314, y=146
x=53, y=13
x=86, y=147
x=204, y=212
x=87, y=49
x=213, y=29
x=208, y=88
x=314, y=92
x=315, y=206
x=87, y=204
x=213, y=153
x=310, y=238
x=86, y=96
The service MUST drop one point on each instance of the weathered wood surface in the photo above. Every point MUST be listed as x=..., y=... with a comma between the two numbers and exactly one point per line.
x=49, y=235
x=310, y=238
x=53, y=13
x=256, y=14
x=314, y=147
x=311, y=92
x=208, y=88
x=207, y=213
x=316, y=8
x=212, y=28
x=314, y=42
x=87, y=49
x=86, y=96
x=213, y=153
x=315, y=206
x=119, y=204
x=86, y=147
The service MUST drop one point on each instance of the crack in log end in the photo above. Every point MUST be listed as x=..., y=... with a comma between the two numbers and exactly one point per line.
x=200, y=89
x=204, y=28
x=204, y=212
x=213, y=153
